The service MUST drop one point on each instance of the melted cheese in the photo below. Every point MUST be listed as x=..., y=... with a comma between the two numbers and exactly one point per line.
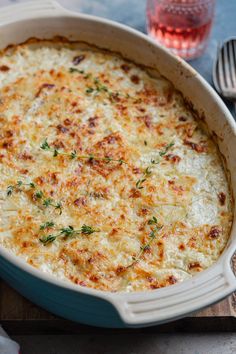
x=106, y=107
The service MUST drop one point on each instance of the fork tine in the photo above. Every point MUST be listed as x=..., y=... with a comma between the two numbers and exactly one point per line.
x=226, y=66
x=232, y=63
x=234, y=48
x=221, y=72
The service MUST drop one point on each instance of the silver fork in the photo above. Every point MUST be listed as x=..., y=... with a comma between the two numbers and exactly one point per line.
x=224, y=71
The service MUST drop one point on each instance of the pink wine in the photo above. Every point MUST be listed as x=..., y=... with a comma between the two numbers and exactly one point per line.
x=182, y=26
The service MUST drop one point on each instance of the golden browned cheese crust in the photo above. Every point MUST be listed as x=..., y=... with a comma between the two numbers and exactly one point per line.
x=107, y=179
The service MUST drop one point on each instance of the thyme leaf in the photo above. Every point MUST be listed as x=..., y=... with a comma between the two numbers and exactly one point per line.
x=47, y=202
x=48, y=239
x=73, y=154
x=50, y=202
x=89, y=90
x=99, y=87
x=139, y=183
x=10, y=190
x=38, y=194
x=45, y=145
x=87, y=230
x=88, y=75
x=152, y=221
x=166, y=149
x=46, y=225
x=73, y=70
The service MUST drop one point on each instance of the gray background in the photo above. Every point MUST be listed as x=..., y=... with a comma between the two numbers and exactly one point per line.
x=132, y=13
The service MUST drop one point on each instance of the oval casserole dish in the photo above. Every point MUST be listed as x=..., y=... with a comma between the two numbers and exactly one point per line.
x=45, y=20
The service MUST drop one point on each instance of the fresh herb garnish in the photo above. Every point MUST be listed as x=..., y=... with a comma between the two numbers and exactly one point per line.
x=148, y=171
x=17, y=187
x=139, y=183
x=99, y=87
x=45, y=145
x=89, y=90
x=152, y=235
x=68, y=231
x=152, y=221
x=47, y=225
x=73, y=155
x=73, y=70
x=166, y=149
x=10, y=190
x=37, y=195
x=87, y=230
x=50, y=202
x=87, y=76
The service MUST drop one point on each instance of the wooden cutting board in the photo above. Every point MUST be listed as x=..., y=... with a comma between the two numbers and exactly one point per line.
x=19, y=317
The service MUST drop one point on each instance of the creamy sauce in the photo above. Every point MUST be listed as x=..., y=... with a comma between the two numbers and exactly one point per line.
x=98, y=104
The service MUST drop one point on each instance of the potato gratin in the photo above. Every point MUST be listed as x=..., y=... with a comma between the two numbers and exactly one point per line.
x=107, y=179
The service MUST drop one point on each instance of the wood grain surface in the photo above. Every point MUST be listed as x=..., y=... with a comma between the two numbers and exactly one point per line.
x=20, y=316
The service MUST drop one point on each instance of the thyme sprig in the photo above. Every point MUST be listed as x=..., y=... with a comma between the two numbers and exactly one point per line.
x=46, y=225
x=73, y=70
x=17, y=187
x=74, y=155
x=47, y=202
x=148, y=171
x=99, y=87
x=37, y=195
x=68, y=231
x=152, y=235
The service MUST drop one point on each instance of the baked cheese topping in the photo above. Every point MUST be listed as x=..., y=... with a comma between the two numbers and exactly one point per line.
x=107, y=178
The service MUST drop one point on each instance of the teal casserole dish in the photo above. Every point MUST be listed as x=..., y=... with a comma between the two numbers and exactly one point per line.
x=46, y=19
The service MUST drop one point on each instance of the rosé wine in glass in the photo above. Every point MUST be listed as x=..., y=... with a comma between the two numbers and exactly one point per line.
x=183, y=26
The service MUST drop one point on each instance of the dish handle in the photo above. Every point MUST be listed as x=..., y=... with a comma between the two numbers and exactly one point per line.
x=30, y=9
x=173, y=302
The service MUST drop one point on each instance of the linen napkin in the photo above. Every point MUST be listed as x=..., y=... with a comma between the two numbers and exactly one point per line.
x=7, y=345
